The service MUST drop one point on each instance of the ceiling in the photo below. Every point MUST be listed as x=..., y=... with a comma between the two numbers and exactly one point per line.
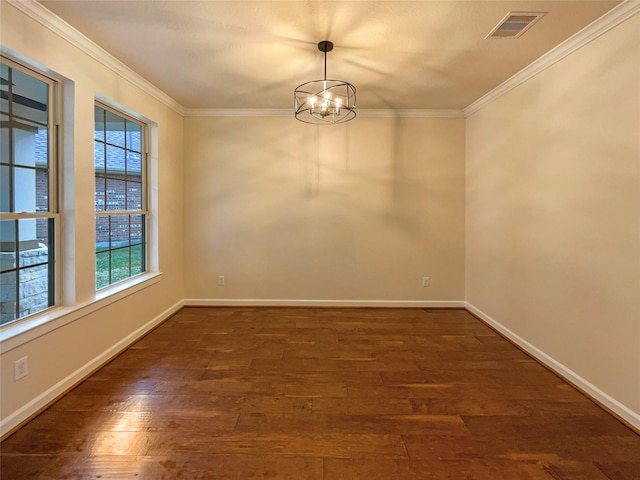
x=252, y=54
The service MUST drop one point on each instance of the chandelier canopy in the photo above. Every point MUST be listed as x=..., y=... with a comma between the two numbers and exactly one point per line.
x=325, y=101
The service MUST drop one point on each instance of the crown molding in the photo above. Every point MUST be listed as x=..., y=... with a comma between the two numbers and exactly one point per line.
x=285, y=112
x=410, y=113
x=55, y=24
x=609, y=20
x=238, y=112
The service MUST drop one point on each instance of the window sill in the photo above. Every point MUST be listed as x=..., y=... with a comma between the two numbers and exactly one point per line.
x=23, y=331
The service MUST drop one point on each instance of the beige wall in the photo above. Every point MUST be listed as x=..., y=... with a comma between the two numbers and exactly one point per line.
x=58, y=354
x=287, y=211
x=290, y=211
x=553, y=213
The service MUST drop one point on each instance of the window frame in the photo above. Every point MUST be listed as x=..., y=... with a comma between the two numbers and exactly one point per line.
x=144, y=211
x=53, y=188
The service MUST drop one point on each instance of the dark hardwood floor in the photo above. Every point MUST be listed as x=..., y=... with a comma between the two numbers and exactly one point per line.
x=303, y=393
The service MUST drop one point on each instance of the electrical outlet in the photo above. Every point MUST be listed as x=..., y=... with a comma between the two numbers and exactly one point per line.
x=221, y=281
x=426, y=281
x=21, y=368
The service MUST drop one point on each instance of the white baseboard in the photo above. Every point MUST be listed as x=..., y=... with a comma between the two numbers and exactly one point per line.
x=45, y=398
x=250, y=302
x=622, y=411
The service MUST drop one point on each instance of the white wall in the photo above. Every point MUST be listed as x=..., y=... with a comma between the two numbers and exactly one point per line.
x=58, y=357
x=553, y=215
x=291, y=212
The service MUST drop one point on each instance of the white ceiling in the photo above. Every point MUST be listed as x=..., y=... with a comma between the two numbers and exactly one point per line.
x=252, y=54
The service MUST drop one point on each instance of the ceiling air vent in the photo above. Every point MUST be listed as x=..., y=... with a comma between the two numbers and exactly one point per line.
x=515, y=24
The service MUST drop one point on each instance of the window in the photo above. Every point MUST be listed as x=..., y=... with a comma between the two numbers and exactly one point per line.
x=120, y=199
x=28, y=192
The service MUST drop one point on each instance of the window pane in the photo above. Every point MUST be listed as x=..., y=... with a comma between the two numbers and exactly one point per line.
x=30, y=145
x=8, y=302
x=8, y=245
x=102, y=234
x=4, y=139
x=116, y=190
x=42, y=190
x=44, y=231
x=137, y=260
x=25, y=191
x=4, y=88
x=134, y=196
x=102, y=269
x=115, y=160
x=30, y=97
x=120, y=264
x=5, y=191
x=98, y=157
x=99, y=123
x=134, y=165
x=115, y=129
x=119, y=231
x=34, y=289
x=42, y=147
x=134, y=136
x=32, y=252
x=101, y=191
x=137, y=229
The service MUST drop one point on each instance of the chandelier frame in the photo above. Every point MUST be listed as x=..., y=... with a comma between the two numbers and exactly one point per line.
x=326, y=101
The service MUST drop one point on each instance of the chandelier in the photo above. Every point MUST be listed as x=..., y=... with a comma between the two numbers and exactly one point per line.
x=325, y=101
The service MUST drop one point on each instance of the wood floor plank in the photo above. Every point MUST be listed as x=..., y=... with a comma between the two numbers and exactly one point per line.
x=347, y=445
x=572, y=470
x=488, y=376
x=401, y=469
x=147, y=421
x=23, y=465
x=355, y=406
x=492, y=406
x=56, y=441
x=360, y=424
x=185, y=466
x=517, y=425
x=323, y=394
x=624, y=470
